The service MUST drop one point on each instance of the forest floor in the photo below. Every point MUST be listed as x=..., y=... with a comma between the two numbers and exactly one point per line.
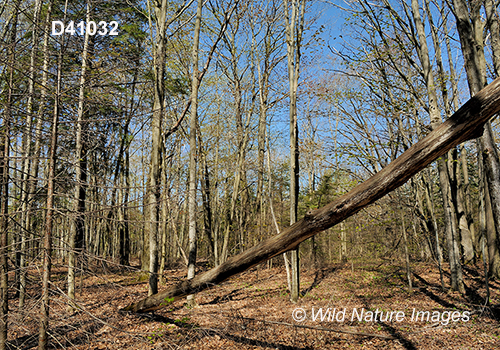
x=253, y=311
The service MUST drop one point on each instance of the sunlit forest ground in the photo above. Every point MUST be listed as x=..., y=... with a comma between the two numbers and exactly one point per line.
x=252, y=311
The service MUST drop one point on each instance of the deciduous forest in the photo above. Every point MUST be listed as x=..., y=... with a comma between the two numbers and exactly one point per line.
x=237, y=174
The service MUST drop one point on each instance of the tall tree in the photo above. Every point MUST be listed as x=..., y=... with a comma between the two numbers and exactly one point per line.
x=470, y=26
x=4, y=223
x=242, y=121
x=266, y=61
x=5, y=136
x=294, y=27
x=464, y=231
x=49, y=216
x=77, y=234
x=27, y=153
x=435, y=115
x=153, y=189
x=195, y=84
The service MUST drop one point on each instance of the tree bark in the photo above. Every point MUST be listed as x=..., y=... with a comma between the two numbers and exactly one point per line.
x=195, y=84
x=444, y=178
x=42, y=110
x=455, y=191
x=4, y=223
x=463, y=187
x=430, y=206
x=407, y=254
x=5, y=139
x=49, y=217
x=27, y=150
x=159, y=54
x=207, y=202
x=164, y=219
x=242, y=136
x=124, y=229
x=491, y=236
x=123, y=172
x=494, y=28
x=77, y=234
x=294, y=26
x=470, y=29
x=466, y=124
x=265, y=65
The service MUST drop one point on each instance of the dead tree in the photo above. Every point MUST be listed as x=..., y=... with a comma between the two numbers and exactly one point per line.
x=466, y=124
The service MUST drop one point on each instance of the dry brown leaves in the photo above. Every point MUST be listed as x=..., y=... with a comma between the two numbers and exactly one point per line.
x=252, y=311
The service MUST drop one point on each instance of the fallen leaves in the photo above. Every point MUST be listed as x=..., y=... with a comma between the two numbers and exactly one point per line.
x=253, y=311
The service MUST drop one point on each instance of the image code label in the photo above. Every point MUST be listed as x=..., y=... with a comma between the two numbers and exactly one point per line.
x=92, y=28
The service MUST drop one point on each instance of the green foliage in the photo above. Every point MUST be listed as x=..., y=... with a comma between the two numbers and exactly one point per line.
x=167, y=301
x=324, y=194
x=177, y=85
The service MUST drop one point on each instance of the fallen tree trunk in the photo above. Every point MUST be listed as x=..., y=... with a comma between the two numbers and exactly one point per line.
x=467, y=123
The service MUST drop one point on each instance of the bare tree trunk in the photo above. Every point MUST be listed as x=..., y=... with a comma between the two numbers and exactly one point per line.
x=242, y=131
x=343, y=243
x=430, y=206
x=444, y=179
x=159, y=54
x=455, y=196
x=270, y=46
x=163, y=220
x=278, y=231
x=207, y=203
x=195, y=84
x=261, y=143
x=482, y=233
x=4, y=190
x=424, y=215
x=77, y=234
x=42, y=110
x=491, y=237
x=470, y=29
x=466, y=124
x=465, y=184
x=294, y=26
x=47, y=245
x=407, y=254
x=5, y=138
x=123, y=168
x=466, y=237
x=491, y=9
x=234, y=196
x=144, y=239
x=463, y=187
x=123, y=174
x=491, y=151
x=179, y=241
x=4, y=223
x=488, y=230
x=124, y=230
x=27, y=140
